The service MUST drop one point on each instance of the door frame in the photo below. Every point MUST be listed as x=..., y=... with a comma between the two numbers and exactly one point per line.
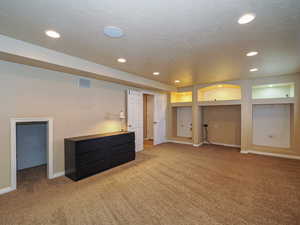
x=154, y=96
x=153, y=108
x=142, y=92
x=13, y=146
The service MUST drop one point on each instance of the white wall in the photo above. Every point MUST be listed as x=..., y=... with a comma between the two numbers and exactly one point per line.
x=31, y=145
x=32, y=92
x=271, y=125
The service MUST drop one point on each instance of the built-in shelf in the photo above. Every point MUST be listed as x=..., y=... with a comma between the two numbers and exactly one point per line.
x=215, y=103
x=182, y=97
x=273, y=101
x=273, y=91
x=182, y=104
x=220, y=92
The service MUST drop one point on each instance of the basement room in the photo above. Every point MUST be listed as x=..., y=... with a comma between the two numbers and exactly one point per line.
x=150, y=112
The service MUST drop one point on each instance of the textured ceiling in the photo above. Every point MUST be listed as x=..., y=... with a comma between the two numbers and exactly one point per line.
x=196, y=41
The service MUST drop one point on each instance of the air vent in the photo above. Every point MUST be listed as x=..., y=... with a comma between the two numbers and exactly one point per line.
x=84, y=83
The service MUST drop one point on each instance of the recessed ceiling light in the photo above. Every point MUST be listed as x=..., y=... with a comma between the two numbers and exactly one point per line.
x=253, y=70
x=113, y=32
x=52, y=33
x=252, y=53
x=247, y=18
x=156, y=73
x=122, y=60
x=177, y=81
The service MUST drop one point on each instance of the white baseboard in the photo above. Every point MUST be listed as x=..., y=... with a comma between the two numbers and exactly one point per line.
x=198, y=145
x=270, y=154
x=6, y=190
x=244, y=152
x=222, y=144
x=59, y=174
x=180, y=142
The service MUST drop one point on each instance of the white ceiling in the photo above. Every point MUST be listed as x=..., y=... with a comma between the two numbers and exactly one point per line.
x=195, y=41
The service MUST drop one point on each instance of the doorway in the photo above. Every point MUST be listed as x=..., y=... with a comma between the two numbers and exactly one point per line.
x=31, y=149
x=135, y=118
x=148, y=120
x=31, y=152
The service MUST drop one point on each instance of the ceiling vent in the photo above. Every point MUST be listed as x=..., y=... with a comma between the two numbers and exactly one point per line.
x=113, y=32
x=84, y=83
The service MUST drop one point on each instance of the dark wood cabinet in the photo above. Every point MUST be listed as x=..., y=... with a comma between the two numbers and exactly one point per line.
x=88, y=155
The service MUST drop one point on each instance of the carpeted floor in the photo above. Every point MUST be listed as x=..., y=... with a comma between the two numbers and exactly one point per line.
x=170, y=184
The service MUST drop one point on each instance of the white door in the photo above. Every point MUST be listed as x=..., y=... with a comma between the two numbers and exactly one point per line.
x=135, y=117
x=160, y=108
x=184, y=122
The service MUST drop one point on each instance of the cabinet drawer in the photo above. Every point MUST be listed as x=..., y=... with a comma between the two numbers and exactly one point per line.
x=92, y=169
x=124, y=148
x=119, y=159
x=90, y=157
x=90, y=146
x=121, y=139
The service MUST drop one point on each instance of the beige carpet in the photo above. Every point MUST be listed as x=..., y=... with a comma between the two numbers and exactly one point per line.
x=170, y=184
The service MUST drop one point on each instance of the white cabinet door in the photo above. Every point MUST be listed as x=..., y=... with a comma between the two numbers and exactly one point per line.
x=160, y=108
x=135, y=117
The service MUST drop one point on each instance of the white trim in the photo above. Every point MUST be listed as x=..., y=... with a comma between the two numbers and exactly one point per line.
x=6, y=190
x=59, y=174
x=180, y=142
x=13, y=159
x=215, y=103
x=270, y=154
x=244, y=152
x=222, y=144
x=198, y=145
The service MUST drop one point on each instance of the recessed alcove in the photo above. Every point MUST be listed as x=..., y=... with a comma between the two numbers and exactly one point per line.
x=271, y=91
x=220, y=92
x=273, y=125
x=221, y=124
x=181, y=97
x=182, y=123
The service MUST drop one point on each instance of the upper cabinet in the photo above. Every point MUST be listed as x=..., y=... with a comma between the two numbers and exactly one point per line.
x=220, y=92
x=273, y=91
x=181, y=97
